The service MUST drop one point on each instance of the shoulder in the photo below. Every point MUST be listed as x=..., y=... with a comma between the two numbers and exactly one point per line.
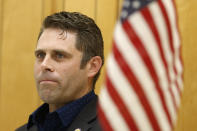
x=22, y=128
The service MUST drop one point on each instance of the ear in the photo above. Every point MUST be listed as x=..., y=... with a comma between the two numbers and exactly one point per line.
x=93, y=66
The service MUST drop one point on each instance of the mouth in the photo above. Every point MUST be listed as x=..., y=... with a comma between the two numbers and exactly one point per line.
x=47, y=82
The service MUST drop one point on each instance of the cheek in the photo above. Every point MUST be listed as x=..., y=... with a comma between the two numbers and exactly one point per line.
x=67, y=70
x=68, y=74
x=36, y=69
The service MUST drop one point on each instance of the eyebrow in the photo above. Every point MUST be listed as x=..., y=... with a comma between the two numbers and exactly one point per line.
x=56, y=51
x=38, y=51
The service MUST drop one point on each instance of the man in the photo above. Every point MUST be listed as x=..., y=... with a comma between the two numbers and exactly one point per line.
x=69, y=56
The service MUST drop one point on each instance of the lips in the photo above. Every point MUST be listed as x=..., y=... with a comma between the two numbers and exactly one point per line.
x=47, y=81
x=46, y=78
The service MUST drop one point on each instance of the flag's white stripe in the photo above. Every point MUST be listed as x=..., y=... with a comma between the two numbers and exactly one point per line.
x=176, y=94
x=142, y=29
x=179, y=71
x=111, y=112
x=177, y=99
x=162, y=29
x=128, y=95
x=134, y=61
x=180, y=81
x=172, y=17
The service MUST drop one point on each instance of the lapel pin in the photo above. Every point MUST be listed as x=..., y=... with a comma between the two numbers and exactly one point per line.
x=78, y=129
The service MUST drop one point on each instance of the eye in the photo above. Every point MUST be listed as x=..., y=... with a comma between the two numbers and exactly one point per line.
x=59, y=55
x=40, y=55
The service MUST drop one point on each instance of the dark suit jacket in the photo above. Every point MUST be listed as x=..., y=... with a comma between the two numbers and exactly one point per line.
x=86, y=120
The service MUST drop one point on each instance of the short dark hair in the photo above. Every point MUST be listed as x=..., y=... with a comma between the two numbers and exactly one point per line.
x=89, y=37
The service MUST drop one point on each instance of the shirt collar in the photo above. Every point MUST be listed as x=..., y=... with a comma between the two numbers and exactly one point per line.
x=66, y=113
x=38, y=115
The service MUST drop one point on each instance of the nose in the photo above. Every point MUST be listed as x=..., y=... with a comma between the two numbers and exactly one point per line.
x=47, y=65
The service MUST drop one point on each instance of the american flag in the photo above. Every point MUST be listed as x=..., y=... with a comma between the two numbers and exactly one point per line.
x=144, y=82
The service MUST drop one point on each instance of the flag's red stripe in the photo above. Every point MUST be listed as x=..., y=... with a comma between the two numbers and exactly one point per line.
x=121, y=106
x=146, y=59
x=136, y=86
x=148, y=17
x=170, y=36
x=103, y=120
x=167, y=25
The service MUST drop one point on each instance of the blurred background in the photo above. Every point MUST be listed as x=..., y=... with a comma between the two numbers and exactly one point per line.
x=20, y=23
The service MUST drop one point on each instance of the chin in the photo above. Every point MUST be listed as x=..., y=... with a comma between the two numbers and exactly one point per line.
x=47, y=97
x=48, y=100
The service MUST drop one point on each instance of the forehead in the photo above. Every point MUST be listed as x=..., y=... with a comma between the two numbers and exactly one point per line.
x=56, y=39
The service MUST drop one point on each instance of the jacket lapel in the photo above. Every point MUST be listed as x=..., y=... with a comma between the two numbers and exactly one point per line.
x=86, y=117
x=33, y=128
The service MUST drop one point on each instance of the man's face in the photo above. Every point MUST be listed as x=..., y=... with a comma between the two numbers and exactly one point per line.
x=57, y=72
